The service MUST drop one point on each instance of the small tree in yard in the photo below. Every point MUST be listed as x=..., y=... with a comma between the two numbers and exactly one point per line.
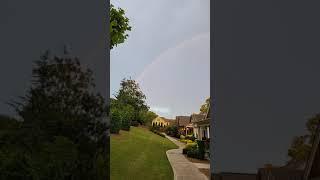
x=131, y=94
x=121, y=116
x=147, y=116
x=64, y=131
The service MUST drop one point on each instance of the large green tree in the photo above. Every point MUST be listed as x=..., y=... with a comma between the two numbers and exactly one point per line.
x=63, y=134
x=131, y=94
x=119, y=26
x=147, y=116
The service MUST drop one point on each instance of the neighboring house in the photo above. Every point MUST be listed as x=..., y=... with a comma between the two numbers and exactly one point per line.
x=201, y=125
x=198, y=128
x=162, y=122
x=184, y=124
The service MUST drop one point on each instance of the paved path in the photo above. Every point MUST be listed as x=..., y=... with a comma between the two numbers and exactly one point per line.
x=202, y=165
x=183, y=169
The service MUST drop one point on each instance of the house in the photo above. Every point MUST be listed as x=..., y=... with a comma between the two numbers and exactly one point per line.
x=184, y=124
x=162, y=122
x=201, y=125
x=195, y=120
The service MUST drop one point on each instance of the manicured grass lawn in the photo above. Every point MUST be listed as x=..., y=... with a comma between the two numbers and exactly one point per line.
x=140, y=154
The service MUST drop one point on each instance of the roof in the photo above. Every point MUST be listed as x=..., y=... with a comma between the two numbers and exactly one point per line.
x=197, y=117
x=313, y=164
x=170, y=121
x=183, y=120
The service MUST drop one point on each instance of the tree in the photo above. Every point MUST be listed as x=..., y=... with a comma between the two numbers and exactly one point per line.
x=147, y=116
x=119, y=25
x=121, y=116
x=63, y=134
x=301, y=145
x=204, y=108
x=131, y=94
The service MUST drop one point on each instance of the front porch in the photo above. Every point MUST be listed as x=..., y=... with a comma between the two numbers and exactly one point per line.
x=201, y=129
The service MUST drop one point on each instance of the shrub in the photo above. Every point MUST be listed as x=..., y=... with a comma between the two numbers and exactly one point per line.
x=192, y=138
x=115, y=121
x=182, y=137
x=189, y=147
x=183, y=140
x=158, y=133
x=135, y=123
x=189, y=141
x=172, y=131
x=195, y=150
x=125, y=125
x=194, y=153
x=201, y=148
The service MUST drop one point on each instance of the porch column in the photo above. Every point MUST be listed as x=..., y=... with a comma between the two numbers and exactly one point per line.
x=208, y=131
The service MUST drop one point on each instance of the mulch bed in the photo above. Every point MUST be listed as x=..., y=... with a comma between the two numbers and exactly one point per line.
x=205, y=172
x=194, y=160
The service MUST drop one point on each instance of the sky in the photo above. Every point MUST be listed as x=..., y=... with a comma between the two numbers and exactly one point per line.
x=167, y=53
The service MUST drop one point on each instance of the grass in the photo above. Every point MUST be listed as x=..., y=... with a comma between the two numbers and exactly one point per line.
x=140, y=154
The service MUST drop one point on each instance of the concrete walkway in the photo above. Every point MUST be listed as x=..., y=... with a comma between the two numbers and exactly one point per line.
x=202, y=165
x=183, y=169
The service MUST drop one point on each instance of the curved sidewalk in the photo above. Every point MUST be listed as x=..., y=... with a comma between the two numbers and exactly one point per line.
x=183, y=169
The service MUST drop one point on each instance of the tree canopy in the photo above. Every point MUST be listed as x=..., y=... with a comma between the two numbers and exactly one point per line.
x=119, y=26
x=63, y=133
x=129, y=107
x=131, y=94
x=204, y=108
x=301, y=145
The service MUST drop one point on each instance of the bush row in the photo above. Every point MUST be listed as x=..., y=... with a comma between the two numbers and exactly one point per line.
x=172, y=131
x=195, y=150
x=157, y=132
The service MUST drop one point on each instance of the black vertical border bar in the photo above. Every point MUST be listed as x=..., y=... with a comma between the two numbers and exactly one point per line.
x=212, y=84
x=107, y=74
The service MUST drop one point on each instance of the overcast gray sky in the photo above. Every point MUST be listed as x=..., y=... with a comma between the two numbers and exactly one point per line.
x=167, y=52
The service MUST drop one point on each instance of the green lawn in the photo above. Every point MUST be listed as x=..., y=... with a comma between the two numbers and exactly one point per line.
x=140, y=154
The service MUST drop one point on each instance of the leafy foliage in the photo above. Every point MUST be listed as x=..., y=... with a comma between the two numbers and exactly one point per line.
x=205, y=107
x=121, y=116
x=146, y=117
x=172, y=131
x=63, y=134
x=301, y=145
x=131, y=94
x=119, y=25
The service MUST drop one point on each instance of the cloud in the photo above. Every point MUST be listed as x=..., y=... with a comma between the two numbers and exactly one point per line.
x=160, y=110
